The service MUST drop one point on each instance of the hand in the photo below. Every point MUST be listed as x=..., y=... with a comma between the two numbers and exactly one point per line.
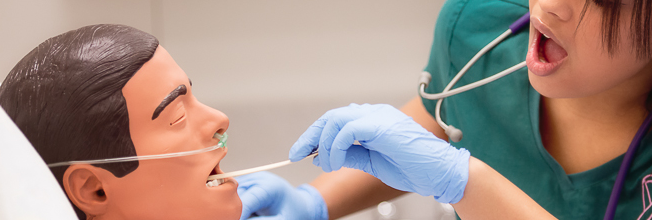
x=271, y=197
x=394, y=148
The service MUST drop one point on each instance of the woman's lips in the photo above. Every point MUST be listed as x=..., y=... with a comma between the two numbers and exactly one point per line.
x=534, y=58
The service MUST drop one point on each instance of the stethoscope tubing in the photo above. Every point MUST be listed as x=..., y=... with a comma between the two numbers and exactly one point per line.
x=624, y=167
x=453, y=133
x=461, y=89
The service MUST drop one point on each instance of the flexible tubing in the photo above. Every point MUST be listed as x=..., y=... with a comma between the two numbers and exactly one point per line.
x=459, y=75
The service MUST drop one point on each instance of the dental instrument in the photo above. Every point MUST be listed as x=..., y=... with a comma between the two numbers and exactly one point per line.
x=264, y=167
x=255, y=169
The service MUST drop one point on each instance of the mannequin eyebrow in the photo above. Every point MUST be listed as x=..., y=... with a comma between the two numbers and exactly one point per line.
x=180, y=90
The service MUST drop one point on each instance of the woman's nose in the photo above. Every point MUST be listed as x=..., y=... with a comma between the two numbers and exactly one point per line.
x=559, y=9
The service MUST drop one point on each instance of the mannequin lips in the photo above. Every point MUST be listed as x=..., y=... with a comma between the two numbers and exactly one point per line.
x=216, y=169
x=220, y=182
x=545, y=55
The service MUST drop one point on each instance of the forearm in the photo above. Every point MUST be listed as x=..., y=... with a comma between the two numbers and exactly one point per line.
x=347, y=191
x=415, y=109
x=489, y=195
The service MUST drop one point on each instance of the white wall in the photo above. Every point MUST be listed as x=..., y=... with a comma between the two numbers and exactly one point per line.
x=24, y=24
x=272, y=66
x=291, y=50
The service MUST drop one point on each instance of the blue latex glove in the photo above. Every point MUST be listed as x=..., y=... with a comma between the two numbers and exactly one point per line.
x=394, y=148
x=271, y=197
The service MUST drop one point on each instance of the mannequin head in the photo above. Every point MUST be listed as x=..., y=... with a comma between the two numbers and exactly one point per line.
x=92, y=93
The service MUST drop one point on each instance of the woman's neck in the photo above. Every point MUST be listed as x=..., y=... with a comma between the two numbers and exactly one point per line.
x=583, y=133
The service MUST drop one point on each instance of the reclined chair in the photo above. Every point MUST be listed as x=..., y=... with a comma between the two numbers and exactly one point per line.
x=28, y=190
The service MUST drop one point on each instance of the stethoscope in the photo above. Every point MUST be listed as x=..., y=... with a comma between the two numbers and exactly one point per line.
x=456, y=134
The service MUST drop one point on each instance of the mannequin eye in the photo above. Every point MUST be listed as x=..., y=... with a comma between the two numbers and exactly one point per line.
x=179, y=120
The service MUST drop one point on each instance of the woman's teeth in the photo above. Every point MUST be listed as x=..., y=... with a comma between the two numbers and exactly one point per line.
x=216, y=182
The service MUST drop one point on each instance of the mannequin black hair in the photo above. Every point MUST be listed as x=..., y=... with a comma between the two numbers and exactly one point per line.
x=66, y=95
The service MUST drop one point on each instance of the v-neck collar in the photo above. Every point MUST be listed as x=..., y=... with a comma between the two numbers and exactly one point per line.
x=567, y=181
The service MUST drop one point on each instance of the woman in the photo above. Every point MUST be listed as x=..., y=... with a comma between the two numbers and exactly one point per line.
x=543, y=146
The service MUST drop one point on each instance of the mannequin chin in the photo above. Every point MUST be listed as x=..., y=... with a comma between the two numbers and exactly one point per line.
x=100, y=100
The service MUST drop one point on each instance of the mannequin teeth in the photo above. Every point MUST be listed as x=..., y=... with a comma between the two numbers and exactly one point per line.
x=218, y=182
x=213, y=183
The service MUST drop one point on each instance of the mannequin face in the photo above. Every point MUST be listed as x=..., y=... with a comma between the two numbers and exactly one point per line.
x=172, y=188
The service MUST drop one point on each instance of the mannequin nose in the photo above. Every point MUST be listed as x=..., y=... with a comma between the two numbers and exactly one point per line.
x=211, y=121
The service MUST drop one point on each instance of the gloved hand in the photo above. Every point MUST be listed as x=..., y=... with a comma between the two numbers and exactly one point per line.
x=394, y=148
x=272, y=197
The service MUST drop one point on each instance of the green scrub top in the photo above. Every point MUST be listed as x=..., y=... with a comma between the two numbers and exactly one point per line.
x=500, y=120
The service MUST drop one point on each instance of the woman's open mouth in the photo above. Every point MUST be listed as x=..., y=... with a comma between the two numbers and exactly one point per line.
x=545, y=54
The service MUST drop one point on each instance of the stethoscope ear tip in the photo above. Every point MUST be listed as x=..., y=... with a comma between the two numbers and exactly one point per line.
x=425, y=78
x=453, y=133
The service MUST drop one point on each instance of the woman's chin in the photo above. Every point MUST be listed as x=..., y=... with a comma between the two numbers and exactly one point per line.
x=551, y=89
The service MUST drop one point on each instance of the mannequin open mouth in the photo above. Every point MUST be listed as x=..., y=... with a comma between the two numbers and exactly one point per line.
x=216, y=182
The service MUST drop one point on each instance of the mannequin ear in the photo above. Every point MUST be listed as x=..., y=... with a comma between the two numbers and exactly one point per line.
x=85, y=188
